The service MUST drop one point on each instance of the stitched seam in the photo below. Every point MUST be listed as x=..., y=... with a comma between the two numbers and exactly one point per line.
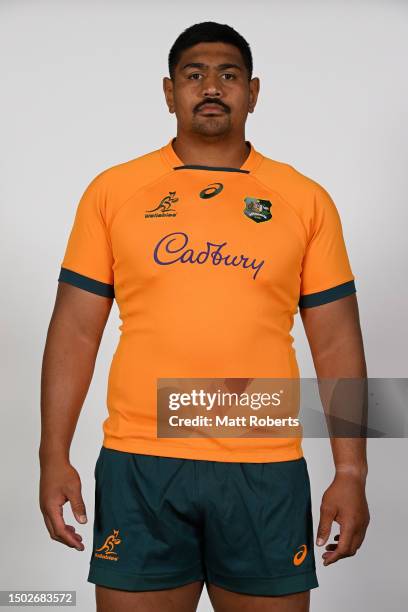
x=328, y=288
x=115, y=571
x=285, y=202
x=144, y=186
x=294, y=575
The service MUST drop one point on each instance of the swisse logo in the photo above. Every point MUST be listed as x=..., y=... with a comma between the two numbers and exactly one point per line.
x=300, y=555
x=107, y=550
x=172, y=249
x=212, y=190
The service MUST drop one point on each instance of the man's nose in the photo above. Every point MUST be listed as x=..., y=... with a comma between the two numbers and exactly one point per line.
x=210, y=87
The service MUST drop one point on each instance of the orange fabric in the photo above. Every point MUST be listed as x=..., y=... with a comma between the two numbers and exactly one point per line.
x=202, y=319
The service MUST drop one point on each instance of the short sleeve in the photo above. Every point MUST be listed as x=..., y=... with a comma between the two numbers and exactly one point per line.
x=88, y=259
x=326, y=272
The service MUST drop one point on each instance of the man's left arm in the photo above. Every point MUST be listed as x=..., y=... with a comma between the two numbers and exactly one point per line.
x=334, y=335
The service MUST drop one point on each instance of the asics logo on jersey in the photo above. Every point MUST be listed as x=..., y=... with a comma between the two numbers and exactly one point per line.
x=164, y=209
x=172, y=249
x=258, y=210
x=300, y=555
x=107, y=549
x=211, y=190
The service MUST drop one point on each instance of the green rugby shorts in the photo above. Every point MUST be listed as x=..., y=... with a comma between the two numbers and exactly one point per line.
x=163, y=522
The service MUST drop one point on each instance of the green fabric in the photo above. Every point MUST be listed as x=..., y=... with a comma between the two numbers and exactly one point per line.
x=161, y=522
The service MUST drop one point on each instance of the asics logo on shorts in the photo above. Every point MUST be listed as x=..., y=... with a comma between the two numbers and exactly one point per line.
x=300, y=555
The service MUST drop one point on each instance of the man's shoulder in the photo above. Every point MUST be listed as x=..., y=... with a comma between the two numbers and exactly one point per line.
x=116, y=184
x=137, y=171
x=284, y=175
x=302, y=192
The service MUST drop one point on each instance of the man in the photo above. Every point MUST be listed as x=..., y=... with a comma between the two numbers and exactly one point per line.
x=209, y=247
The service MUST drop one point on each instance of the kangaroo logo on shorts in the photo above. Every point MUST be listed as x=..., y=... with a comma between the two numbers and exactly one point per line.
x=300, y=555
x=108, y=547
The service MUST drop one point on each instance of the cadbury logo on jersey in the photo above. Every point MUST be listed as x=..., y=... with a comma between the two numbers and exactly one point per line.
x=172, y=249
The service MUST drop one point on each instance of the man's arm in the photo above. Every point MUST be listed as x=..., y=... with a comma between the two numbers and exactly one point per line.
x=334, y=335
x=74, y=334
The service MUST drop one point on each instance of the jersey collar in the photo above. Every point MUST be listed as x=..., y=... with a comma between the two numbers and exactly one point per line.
x=173, y=161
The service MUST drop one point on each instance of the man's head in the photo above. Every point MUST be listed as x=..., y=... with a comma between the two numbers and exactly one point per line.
x=210, y=62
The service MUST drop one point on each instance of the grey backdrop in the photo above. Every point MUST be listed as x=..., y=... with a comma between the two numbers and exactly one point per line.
x=82, y=90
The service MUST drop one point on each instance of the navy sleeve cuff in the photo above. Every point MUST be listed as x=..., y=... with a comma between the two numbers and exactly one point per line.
x=328, y=295
x=84, y=282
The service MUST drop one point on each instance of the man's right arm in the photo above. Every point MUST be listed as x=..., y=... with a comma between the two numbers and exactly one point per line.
x=74, y=334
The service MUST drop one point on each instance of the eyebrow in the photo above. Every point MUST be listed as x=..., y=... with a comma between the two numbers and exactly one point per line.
x=220, y=66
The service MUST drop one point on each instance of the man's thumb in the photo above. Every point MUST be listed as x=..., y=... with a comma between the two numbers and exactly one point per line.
x=78, y=508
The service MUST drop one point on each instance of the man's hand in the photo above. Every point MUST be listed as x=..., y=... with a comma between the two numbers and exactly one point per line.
x=59, y=483
x=344, y=502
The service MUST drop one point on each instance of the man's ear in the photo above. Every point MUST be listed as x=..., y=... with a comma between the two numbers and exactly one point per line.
x=254, y=87
x=168, y=93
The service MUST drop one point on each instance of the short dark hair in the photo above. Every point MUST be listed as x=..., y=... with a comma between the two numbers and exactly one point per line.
x=209, y=31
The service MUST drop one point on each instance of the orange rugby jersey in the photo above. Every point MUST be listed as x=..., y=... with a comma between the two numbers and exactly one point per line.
x=208, y=266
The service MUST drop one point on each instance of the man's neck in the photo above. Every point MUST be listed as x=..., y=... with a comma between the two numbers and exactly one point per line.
x=200, y=151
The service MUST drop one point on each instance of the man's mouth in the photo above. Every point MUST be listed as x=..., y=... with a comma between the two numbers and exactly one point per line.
x=211, y=109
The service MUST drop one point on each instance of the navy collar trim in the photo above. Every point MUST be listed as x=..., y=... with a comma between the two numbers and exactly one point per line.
x=221, y=168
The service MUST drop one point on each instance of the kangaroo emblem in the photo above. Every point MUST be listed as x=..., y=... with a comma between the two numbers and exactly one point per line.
x=165, y=203
x=109, y=544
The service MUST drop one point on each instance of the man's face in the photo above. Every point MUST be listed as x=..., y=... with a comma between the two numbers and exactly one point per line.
x=211, y=72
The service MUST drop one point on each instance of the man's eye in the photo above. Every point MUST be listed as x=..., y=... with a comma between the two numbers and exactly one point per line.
x=197, y=74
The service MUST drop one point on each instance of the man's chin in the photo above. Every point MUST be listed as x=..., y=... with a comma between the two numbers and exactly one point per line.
x=212, y=126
